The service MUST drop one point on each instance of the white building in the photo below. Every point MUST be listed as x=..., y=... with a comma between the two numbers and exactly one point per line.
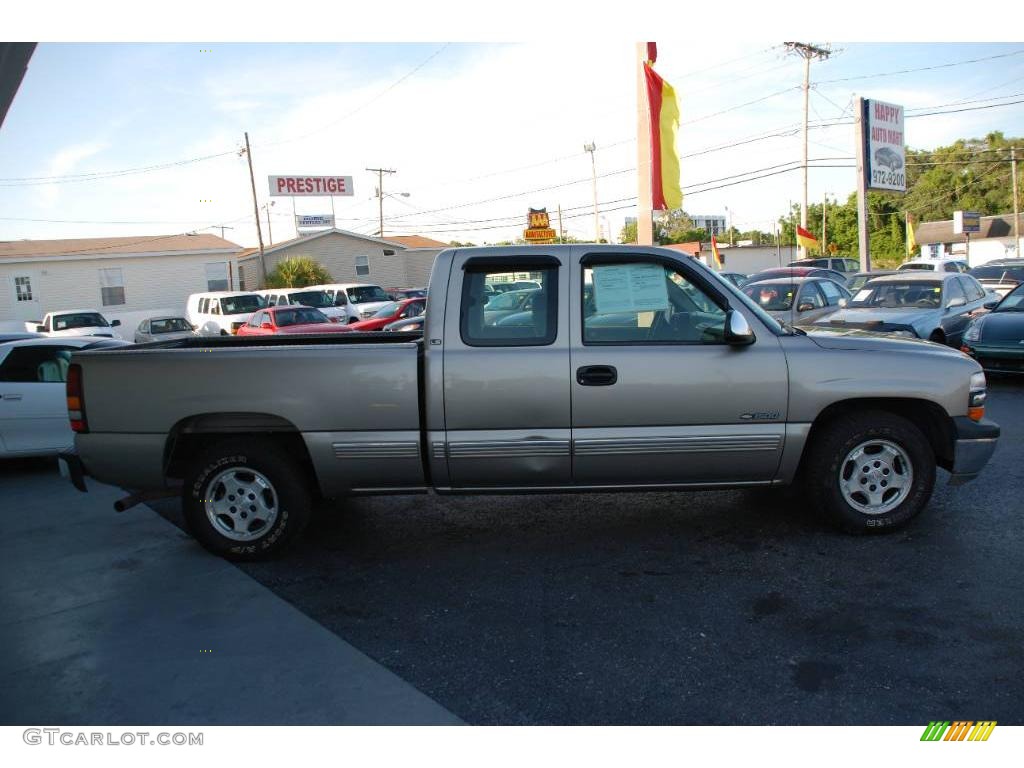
x=713, y=224
x=125, y=278
x=392, y=262
x=994, y=241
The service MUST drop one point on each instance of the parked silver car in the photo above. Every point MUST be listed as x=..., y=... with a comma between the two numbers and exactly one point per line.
x=799, y=299
x=164, y=329
x=921, y=305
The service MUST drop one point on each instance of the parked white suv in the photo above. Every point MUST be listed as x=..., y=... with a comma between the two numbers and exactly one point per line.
x=221, y=313
x=934, y=265
x=74, y=322
x=361, y=300
x=309, y=297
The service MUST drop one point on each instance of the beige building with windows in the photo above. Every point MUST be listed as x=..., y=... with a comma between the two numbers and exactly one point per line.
x=393, y=262
x=125, y=278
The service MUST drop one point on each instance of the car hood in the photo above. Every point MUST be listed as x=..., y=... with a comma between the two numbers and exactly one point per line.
x=90, y=330
x=1002, y=326
x=315, y=328
x=863, y=317
x=367, y=306
x=171, y=336
x=858, y=339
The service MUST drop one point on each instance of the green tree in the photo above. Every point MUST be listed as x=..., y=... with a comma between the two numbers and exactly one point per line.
x=297, y=272
x=628, y=233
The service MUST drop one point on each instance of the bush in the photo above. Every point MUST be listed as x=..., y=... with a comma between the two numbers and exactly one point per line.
x=297, y=272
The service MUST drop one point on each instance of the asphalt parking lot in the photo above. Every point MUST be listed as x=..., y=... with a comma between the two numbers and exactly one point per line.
x=699, y=608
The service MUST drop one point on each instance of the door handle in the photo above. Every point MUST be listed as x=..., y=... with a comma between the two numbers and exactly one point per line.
x=596, y=376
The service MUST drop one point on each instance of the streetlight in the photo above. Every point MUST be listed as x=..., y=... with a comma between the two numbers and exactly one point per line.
x=591, y=148
x=380, y=194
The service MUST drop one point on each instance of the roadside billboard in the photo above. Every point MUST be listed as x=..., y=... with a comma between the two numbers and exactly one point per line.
x=886, y=162
x=966, y=222
x=311, y=186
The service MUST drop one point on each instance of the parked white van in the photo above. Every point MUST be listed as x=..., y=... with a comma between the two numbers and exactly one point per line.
x=74, y=322
x=309, y=297
x=221, y=313
x=361, y=300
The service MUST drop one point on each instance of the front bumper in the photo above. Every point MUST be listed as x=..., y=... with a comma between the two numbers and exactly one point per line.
x=997, y=358
x=973, y=446
x=71, y=467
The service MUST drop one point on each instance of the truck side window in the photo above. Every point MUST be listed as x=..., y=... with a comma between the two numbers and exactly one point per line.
x=527, y=317
x=647, y=302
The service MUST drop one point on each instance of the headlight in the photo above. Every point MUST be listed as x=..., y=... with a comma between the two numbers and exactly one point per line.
x=973, y=332
x=365, y=315
x=976, y=398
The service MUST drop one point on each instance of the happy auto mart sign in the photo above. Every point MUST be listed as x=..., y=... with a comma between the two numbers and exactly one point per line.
x=311, y=186
x=886, y=165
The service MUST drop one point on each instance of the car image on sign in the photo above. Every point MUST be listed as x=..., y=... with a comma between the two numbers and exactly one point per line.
x=889, y=159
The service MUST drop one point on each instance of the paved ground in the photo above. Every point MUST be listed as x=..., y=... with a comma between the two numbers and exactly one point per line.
x=112, y=619
x=683, y=608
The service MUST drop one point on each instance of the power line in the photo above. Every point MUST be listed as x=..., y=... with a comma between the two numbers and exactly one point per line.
x=922, y=69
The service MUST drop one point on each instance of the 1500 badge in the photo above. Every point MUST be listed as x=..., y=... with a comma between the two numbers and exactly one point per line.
x=760, y=416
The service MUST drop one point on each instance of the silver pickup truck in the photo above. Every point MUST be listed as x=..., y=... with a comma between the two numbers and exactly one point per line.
x=628, y=368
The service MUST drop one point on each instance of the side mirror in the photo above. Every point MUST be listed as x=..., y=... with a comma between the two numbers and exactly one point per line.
x=843, y=302
x=991, y=304
x=956, y=301
x=805, y=307
x=40, y=329
x=737, y=329
x=115, y=323
x=266, y=326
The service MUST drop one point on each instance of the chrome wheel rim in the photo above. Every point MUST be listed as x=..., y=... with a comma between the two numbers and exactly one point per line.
x=241, y=504
x=876, y=476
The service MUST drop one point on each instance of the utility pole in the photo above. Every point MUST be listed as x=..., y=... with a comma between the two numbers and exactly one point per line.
x=561, y=232
x=808, y=52
x=863, y=236
x=256, y=210
x=591, y=148
x=644, y=212
x=270, y=234
x=1016, y=208
x=380, y=194
x=221, y=227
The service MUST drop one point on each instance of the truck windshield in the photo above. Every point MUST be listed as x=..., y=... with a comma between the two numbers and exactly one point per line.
x=365, y=293
x=239, y=305
x=318, y=299
x=79, y=320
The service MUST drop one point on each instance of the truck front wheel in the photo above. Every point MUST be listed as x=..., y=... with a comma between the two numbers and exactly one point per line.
x=870, y=471
x=245, y=499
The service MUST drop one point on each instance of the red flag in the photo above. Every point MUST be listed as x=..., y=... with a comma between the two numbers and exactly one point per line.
x=719, y=258
x=666, y=192
x=652, y=53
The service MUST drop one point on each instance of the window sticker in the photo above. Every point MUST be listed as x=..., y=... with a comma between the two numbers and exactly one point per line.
x=862, y=294
x=630, y=288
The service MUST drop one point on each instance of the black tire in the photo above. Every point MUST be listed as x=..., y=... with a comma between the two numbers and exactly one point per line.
x=287, y=495
x=828, y=463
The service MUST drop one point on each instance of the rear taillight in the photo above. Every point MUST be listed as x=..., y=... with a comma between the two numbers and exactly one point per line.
x=76, y=399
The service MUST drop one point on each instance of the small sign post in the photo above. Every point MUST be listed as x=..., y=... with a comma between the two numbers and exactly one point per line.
x=964, y=223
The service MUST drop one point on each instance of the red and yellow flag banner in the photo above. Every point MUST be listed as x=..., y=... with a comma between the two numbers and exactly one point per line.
x=719, y=259
x=666, y=192
x=805, y=238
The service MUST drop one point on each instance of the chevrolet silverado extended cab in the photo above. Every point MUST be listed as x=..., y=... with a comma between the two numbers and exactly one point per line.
x=633, y=368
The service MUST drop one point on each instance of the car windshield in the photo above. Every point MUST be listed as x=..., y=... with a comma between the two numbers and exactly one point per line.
x=892, y=295
x=169, y=325
x=772, y=297
x=312, y=299
x=809, y=263
x=508, y=300
x=79, y=320
x=366, y=293
x=1013, y=274
x=927, y=267
x=1014, y=301
x=240, y=305
x=387, y=310
x=299, y=316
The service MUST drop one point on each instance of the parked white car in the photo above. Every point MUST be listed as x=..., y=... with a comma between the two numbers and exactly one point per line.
x=222, y=313
x=33, y=405
x=361, y=300
x=934, y=265
x=74, y=322
x=317, y=298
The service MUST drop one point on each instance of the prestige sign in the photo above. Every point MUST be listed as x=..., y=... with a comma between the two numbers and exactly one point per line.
x=311, y=186
x=884, y=140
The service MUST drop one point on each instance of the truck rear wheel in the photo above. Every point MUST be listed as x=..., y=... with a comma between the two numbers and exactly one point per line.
x=870, y=472
x=245, y=499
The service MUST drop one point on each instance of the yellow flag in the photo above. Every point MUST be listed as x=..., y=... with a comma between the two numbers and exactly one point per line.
x=911, y=240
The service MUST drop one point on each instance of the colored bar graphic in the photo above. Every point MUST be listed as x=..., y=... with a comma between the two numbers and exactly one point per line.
x=935, y=730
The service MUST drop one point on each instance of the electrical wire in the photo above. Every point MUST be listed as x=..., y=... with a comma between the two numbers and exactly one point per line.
x=921, y=69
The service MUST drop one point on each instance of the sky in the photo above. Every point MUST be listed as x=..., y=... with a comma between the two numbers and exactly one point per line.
x=476, y=132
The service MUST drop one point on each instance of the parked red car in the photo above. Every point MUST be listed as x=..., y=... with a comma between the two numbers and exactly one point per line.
x=290, y=319
x=389, y=313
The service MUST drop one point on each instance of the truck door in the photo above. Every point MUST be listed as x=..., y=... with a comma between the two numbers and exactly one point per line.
x=506, y=375
x=658, y=396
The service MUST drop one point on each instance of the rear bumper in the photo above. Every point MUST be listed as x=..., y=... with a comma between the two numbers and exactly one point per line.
x=975, y=442
x=71, y=468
